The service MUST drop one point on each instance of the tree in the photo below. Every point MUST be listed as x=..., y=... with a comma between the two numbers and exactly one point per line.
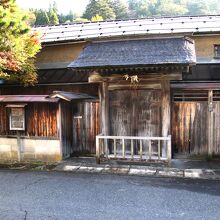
x=100, y=7
x=53, y=14
x=70, y=17
x=53, y=17
x=203, y=7
x=42, y=17
x=170, y=8
x=18, y=46
x=97, y=18
x=141, y=8
x=119, y=8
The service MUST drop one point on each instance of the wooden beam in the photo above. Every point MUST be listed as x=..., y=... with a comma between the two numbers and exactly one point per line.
x=95, y=77
x=165, y=111
x=136, y=86
x=195, y=85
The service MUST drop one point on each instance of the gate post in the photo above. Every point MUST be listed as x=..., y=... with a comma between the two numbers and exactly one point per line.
x=210, y=123
x=97, y=150
x=169, y=150
x=165, y=112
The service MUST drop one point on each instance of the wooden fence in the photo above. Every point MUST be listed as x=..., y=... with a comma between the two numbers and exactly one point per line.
x=156, y=148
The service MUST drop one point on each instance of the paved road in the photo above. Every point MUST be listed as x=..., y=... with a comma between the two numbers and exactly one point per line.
x=40, y=195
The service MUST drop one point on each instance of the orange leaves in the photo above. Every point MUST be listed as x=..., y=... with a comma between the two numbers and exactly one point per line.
x=9, y=62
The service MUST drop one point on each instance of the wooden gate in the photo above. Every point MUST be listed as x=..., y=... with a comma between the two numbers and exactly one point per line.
x=86, y=125
x=135, y=113
x=195, y=122
x=189, y=127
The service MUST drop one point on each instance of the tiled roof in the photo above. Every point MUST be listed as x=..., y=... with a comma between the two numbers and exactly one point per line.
x=158, y=25
x=69, y=96
x=136, y=53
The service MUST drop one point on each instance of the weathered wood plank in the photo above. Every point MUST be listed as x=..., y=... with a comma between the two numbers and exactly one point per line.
x=141, y=149
x=123, y=148
x=115, y=154
x=150, y=150
x=189, y=128
x=132, y=149
x=158, y=149
x=210, y=123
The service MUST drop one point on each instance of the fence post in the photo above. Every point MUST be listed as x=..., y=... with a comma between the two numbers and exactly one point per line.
x=169, y=149
x=97, y=150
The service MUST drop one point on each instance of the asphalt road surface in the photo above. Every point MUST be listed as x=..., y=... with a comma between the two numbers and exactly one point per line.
x=41, y=195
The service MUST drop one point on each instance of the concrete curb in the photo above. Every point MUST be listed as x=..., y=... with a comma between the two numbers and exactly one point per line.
x=141, y=171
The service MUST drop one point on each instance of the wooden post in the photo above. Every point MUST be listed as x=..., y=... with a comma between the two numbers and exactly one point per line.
x=123, y=148
x=97, y=151
x=59, y=128
x=114, y=148
x=165, y=112
x=132, y=149
x=19, y=146
x=210, y=123
x=150, y=150
x=141, y=149
x=104, y=98
x=158, y=149
x=169, y=152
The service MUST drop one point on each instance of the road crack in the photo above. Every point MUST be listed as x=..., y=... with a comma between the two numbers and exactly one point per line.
x=25, y=216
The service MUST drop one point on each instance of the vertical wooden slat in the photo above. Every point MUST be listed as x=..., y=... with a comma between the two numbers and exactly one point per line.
x=132, y=149
x=210, y=123
x=115, y=148
x=141, y=149
x=158, y=149
x=123, y=148
x=169, y=150
x=97, y=151
x=106, y=147
x=150, y=150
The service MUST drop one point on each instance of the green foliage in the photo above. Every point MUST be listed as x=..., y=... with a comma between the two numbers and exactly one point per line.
x=170, y=7
x=144, y=8
x=53, y=14
x=18, y=46
x=79, y=20
x=42, y=17
x=46, y=17
x=70, y=17
x=100, y=7
x=119, y=8
x=97, y=18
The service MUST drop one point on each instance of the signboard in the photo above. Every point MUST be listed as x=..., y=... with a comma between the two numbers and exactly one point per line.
x=17, y=119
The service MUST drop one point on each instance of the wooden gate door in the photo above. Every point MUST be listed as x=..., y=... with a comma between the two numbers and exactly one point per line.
x=189, y=127
x=86, y=125
x=190, y=122
x=135, y=113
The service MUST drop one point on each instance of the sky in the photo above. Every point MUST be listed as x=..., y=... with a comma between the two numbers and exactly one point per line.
x=64, y=6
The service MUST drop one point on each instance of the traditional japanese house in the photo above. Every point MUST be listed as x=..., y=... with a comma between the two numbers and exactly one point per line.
x=142, y=89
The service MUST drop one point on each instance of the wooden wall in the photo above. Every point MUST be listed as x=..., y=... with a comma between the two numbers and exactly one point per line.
x=41, y=120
